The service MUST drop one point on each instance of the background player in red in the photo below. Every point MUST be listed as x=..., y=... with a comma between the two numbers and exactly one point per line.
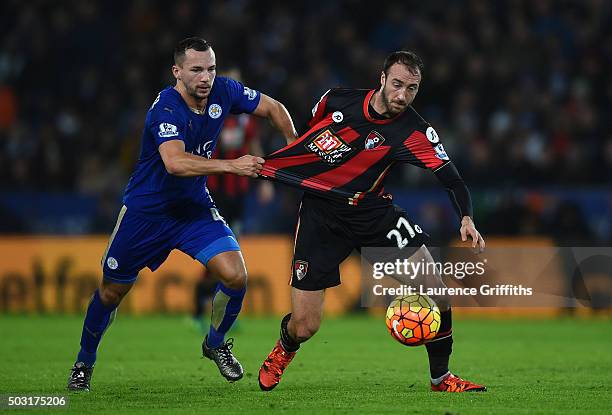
x=355, y=136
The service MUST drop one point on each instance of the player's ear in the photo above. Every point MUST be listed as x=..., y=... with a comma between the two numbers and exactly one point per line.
x=382, y=79
x=176, y=71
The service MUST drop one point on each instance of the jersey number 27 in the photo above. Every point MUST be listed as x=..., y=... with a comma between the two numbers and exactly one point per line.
x=403, y=224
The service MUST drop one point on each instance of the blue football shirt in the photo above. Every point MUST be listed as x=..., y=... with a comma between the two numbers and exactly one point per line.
x=151, y=189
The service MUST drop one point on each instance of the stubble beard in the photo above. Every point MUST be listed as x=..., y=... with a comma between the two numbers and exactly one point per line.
x=193, y=92
x=387, y=104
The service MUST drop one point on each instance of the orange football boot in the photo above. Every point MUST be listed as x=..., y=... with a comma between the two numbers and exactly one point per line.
x=273, y=367
x=452, y=383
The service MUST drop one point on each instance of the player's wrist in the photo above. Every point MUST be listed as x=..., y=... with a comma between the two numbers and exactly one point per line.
x=466, y=220
x=227, y=166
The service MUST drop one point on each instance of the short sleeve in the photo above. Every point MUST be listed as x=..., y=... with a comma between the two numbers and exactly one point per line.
x=423, y=148
x=165, y=125
x=243, y=99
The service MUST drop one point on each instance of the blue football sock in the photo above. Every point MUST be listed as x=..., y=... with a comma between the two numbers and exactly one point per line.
x=226, y=306
x=97, y=320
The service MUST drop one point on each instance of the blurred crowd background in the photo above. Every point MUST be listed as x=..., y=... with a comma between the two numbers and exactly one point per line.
x=520, y=92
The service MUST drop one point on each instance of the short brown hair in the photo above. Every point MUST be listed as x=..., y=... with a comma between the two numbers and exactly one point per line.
x=408, y=58
x=195, y=43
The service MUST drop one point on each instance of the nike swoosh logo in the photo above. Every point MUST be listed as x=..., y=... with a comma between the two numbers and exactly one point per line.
x=395, y=324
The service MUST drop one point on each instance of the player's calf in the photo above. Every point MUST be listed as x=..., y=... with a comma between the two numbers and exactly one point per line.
x=296, y=328
x=99, y=317
x=226, y=305
x=301, y=328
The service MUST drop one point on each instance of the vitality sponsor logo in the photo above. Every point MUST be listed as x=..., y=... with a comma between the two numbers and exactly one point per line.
x=328, y=146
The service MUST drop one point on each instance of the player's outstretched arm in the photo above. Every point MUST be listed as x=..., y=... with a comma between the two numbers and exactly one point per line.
x=278, y=116
x=462, y=202
x=180, y=163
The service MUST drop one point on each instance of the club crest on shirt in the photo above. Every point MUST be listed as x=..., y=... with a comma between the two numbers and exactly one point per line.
x=328, y=146
x=373, y=140
x=300, y=269
x=112, y=263
x=214, y=111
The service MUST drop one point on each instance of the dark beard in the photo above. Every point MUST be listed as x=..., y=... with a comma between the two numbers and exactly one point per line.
x=386, y=103
x=389, y=111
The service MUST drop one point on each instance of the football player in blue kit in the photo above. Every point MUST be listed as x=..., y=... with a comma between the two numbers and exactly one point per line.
x=166, y=204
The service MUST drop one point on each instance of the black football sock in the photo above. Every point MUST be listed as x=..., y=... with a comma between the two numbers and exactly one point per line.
x=288, y=343
x=440, y=349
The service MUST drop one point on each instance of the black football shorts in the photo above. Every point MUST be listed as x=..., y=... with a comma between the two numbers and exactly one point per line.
x=327, y=232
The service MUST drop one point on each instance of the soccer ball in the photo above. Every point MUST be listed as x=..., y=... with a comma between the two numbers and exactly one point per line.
x=413, y=320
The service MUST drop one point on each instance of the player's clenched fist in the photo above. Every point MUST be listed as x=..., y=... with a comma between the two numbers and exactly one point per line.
x=246, y=165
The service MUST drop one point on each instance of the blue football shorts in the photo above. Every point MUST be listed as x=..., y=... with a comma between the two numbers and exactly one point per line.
x=139, y=241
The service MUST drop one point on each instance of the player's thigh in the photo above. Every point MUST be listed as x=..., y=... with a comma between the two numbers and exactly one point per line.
x=392, y=235
x=136, y=242
x=393, y=228
x=209, y=240
x=320, y=247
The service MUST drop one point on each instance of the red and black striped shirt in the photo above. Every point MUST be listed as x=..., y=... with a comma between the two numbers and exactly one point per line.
x=347, y=152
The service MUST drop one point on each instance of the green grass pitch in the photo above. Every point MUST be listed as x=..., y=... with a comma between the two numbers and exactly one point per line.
x=151, y=365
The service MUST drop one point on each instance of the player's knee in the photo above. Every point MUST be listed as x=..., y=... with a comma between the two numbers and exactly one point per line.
x=236, y=279
x=305, y=328
x=111, y=295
